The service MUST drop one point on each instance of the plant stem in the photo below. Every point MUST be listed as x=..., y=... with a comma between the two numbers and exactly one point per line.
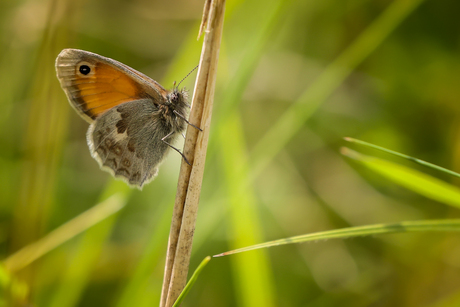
x=190, y=177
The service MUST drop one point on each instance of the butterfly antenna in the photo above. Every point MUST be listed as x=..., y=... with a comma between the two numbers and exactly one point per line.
x=186, y=76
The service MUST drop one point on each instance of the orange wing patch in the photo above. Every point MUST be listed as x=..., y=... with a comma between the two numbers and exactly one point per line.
x=102, y=89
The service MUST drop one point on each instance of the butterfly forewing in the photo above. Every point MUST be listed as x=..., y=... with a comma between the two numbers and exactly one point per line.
x=95, y=84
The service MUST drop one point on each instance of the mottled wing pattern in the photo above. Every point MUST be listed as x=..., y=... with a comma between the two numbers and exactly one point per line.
x=126, y=141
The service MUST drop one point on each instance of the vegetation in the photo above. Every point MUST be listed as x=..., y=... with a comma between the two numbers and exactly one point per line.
x=294, y=79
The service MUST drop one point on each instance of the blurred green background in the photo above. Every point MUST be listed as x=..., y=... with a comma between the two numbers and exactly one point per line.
x=294, y=78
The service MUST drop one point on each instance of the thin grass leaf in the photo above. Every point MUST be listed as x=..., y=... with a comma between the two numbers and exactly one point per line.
x=136, y=293
x=64, y=233
x=13, y=292
x=191, y=281
x=351, y=232
x=421, y=162
x=75, y=278
x=253, y=275
x=411, y=179
x=44, y=136
x=263, y=35
x=291, y=121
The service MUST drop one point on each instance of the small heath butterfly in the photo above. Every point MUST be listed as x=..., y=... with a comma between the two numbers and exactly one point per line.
x=132, y=118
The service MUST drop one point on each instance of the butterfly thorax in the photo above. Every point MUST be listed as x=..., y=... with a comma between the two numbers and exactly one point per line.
x=174, y=110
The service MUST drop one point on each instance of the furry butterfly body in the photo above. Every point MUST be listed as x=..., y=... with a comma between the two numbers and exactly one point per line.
x=133, y=119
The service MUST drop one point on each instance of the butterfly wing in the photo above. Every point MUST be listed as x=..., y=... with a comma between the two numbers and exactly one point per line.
x=95, y=84
x=126, y=141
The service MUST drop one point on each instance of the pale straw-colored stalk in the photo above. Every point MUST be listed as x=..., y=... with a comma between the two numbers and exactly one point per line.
x=190, y=177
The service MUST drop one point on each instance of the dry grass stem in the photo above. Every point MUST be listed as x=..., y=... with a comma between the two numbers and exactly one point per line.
x=190, y=177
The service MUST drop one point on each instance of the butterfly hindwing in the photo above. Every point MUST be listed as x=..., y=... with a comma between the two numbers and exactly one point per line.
x=126, y=141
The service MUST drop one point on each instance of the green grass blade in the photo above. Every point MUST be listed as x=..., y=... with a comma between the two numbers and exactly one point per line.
x=62, y=234
x=411, y=179
x=253, y=275
x=421, y=162
x=43, y=138
x=351, y=232
x=76, y=276
x=191, y=281
x=262, y=36
x=135, y=292
x=13, y=292
x=294, y=118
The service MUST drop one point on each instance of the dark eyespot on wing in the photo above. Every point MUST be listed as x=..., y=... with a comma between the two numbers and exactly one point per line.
x=84, y=69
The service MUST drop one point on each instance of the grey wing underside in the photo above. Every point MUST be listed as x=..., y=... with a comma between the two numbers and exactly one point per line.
x=126, y=141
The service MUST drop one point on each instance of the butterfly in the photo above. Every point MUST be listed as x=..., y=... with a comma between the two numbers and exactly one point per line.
x=133, y=119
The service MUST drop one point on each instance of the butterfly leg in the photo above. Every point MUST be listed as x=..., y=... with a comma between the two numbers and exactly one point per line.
x=167, y=136
x=180, y=115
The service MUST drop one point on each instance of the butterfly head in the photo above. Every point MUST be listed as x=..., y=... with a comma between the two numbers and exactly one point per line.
x=175, y=108
x=177, y=100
